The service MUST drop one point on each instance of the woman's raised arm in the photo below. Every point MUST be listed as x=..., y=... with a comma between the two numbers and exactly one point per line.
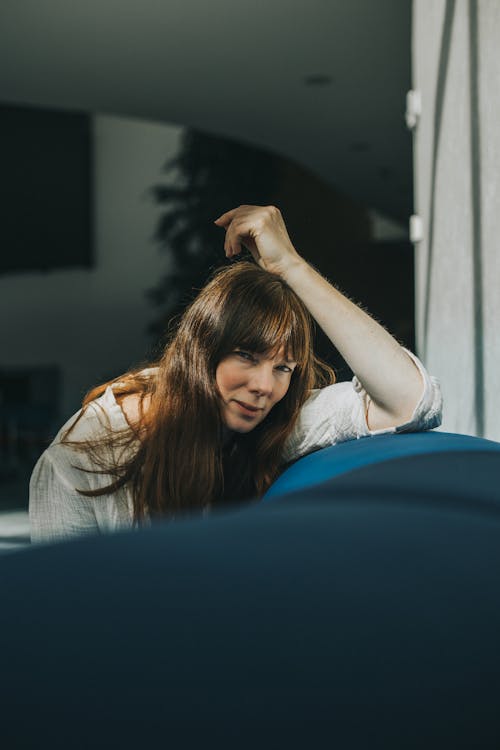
x=382, y=366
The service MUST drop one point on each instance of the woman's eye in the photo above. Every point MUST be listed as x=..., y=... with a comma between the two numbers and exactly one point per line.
x=249, y=357
x=244, y=355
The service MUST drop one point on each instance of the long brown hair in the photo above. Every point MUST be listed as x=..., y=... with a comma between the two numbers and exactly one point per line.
x=179, y=462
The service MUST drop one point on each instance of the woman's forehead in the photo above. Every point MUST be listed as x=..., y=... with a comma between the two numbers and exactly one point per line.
x=257, y=342
x=280, y=352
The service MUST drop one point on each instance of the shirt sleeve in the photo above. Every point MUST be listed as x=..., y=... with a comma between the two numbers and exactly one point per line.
x=56, y=510
x=428, y=412
x=337, y=413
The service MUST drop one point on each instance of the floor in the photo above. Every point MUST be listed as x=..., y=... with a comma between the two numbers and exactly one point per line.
x=14, y=531
x=14, y=524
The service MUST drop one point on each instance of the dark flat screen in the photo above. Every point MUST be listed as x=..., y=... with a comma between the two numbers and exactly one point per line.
x=45, y=190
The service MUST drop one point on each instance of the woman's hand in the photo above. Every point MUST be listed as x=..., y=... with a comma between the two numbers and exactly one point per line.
x=262, y=231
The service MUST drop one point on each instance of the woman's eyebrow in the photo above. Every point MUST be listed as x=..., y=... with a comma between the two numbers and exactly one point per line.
x=284, y=359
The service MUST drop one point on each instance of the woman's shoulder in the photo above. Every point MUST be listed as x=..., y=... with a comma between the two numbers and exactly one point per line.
x=112, y=410
x=133, y=407
x=322, y=401
x=334, y=390
x=330, y=415
x=93, y=420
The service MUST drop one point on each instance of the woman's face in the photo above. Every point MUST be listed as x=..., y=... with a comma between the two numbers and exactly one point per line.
x=250, y=385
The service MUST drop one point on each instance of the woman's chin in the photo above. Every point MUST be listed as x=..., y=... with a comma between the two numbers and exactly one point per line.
x=241, y=428
x=241, y=425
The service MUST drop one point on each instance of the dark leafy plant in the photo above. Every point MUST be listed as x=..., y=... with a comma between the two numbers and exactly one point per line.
x=214, y=174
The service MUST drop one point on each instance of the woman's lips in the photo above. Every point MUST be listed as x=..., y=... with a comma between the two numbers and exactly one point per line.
x=247, y=408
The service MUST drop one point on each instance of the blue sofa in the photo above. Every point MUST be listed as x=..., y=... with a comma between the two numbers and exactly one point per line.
x=356, y=607
x=337, y=460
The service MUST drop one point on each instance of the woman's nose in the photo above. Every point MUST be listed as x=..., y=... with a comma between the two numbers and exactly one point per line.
x=262, y=381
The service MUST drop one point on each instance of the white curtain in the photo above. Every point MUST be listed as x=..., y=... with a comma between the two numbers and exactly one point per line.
x=456, y=69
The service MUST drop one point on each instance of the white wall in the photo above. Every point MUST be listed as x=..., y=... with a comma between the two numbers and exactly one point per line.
x=457, y=187
x=92, y=323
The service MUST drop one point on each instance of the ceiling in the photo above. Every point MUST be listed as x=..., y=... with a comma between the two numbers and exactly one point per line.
x=320, y=81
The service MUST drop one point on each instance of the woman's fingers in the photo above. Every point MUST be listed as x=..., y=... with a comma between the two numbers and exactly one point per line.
x=225, y=221
x=235, y=234
x=241, y=225
x=231, y=245
x=233, y=248
x=226, y=218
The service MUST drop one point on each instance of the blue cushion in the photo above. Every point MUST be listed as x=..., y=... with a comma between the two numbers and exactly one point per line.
x=363, y=617
x=338, y=459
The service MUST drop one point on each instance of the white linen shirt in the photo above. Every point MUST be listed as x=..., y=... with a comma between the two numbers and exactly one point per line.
x=58, y=511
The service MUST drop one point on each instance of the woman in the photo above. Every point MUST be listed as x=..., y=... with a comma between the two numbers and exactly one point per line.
x=237, y=394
